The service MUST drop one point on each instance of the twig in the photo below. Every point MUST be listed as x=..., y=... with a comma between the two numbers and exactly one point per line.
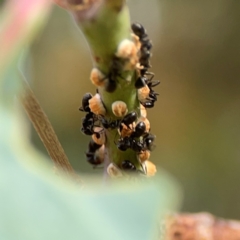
x=105, y=24
x=45, y=130
x=201, y=226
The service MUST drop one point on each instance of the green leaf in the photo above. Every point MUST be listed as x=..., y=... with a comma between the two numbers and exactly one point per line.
x=35, y=205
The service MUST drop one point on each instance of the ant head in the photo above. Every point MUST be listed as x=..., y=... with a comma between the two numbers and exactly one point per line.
x=148, y=104
x=149, y=139
x=138, y=29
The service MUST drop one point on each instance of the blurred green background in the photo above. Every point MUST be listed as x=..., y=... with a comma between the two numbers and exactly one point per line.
x=196, y=56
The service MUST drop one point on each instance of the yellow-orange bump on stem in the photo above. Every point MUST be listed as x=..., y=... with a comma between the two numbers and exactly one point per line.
x=151, y=168
x=143, y=93
x=143, y=111
x=100, y=153
x=113, y=171
x=99, y=136
x=136, y=41
x=127, y=50
x=97, y=77
x=144, y=156
x=125, y=130
x=119, y=108
x=96, y=105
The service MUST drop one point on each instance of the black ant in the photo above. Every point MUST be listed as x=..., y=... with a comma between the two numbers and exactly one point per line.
x=137, y=145
x=115, y=69
x=139, y=130
x=128, y=166
x=109, y=124
x=152, y=96
x=141, y=82
x=139, y=30
x=144, y=59
x=148, y=104
x=85, y=104
x=144, y=71
x=129, y=142
x=128, y=119
x=110, y=80
x=124, y=143
x=149, y=80
x=148, y=142
x=92, y=158
x=88, y=122
x=146, y=45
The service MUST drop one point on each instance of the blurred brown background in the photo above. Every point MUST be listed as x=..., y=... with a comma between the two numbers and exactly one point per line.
x=196, y=56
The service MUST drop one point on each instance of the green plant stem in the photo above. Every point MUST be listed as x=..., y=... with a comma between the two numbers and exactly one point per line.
x=104, y=31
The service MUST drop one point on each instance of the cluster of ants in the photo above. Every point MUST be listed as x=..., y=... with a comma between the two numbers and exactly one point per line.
x=134, y=134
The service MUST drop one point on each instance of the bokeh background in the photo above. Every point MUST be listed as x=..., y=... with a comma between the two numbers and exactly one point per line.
x=196, y=56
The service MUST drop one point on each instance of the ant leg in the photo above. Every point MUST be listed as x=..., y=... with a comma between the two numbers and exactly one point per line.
x=151, y=74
